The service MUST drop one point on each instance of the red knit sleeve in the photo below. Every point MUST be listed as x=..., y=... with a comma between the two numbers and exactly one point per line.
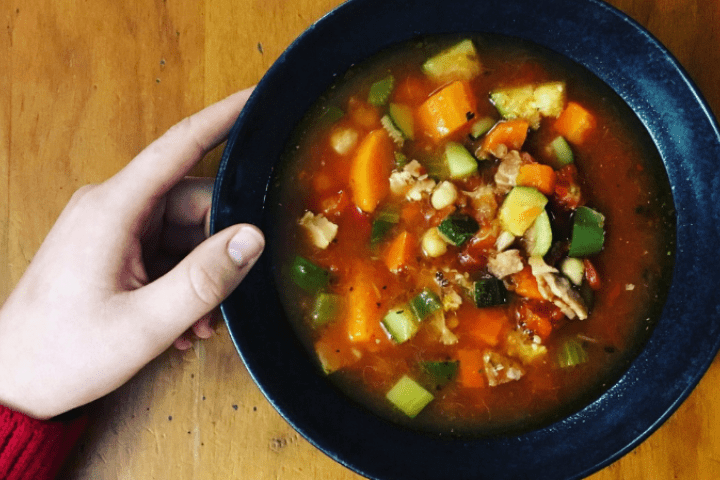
x=35, y=449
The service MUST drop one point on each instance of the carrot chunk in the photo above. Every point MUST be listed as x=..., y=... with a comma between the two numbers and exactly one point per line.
x=511, y=133
x=537, y=175
x=470, y=368
x=447, y=110
x=400, y=252
x=370, y=170
x=489, y=324
x=526, y=284
x=575, y=123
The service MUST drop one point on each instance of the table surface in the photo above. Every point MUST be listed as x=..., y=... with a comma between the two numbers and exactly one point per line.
x=85, y=85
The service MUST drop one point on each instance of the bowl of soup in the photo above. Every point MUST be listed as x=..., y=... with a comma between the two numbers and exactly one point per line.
x=489, y=237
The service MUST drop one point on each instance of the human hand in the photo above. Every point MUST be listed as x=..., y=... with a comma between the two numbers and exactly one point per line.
x=123, y=273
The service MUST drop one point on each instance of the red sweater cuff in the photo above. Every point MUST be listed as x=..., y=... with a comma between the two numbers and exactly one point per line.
x=35, y=449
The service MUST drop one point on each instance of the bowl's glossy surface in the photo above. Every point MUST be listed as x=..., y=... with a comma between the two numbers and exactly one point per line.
x=684, y=341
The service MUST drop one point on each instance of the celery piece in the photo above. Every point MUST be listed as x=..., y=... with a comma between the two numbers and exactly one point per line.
x=382, y=224
x=572, y=353
x=380, y=91
x=409, y=397
x=325, y=309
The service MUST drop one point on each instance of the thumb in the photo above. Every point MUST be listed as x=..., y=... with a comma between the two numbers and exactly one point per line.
x=200, y=282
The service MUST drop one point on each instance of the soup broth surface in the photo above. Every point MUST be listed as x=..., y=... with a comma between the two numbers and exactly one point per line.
x=428, y=288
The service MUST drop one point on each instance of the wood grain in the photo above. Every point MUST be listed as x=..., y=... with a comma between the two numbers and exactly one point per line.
x=86, y=85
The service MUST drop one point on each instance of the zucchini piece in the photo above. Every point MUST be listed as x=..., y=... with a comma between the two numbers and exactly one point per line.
x=380, y=91
x=458, y=228
x=402, y=117
x=521, y=207
x=481, y=127
x=530, y=102
x=440, y=372
x=459, y=62
x=308, y=276
x=572, y=353
x=382, y=224
x=538, y=238
x=409, y=396
x=489, y=291
x=562, y=151
x=574, y=269
x=401, y=324
x=325, y=309
x=459, y=162
x=425, y=304
x=588, y=232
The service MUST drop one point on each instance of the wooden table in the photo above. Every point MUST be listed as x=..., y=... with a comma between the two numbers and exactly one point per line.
x=85, y=85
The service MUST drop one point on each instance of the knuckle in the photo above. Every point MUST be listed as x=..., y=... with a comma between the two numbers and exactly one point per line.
x=206, y=287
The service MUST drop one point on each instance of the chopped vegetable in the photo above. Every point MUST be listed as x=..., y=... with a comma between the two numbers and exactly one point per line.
x=425, y=304
x=409, y=397
x=562, y=152
x=380, y=91
x=591, y=275
x=402, y=117
x=489, y=291
x=567, y=189
x=458, y=228
x=488, y=324
x=538, y=176
x=331, y=114
x=382, y=224
x=401, y=251
x=440, y=372
x=530, y=102
x=470, y=372
x=362, y=312
x=511, y=133
x=458, y=161
x=520, y=209
x=447, y=110
x=308, y=276
x=370, y=170
x=538, y=238
x=401, y=324
x=481, y=127
x=574, y=269
x=575, y=123
x=460, y=62
x=572, y=353
x=526, y=284
x=588, y=233
x=325, y=309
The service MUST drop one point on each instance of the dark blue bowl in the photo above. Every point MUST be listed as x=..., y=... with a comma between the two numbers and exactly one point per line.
x=685, y=340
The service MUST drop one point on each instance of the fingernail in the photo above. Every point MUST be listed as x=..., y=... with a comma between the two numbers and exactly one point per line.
x=246, y=246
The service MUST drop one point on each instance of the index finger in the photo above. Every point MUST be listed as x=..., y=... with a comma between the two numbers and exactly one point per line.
x=168, y=159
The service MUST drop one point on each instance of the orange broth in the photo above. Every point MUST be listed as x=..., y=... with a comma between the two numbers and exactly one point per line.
x=619, y=174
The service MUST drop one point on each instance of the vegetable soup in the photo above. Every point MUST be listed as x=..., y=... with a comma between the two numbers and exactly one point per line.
x=475, y=235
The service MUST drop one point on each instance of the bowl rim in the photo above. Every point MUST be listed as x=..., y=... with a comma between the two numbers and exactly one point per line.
x=656, y=87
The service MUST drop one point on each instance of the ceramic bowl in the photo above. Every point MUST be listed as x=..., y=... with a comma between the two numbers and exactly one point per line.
x=685, y=339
